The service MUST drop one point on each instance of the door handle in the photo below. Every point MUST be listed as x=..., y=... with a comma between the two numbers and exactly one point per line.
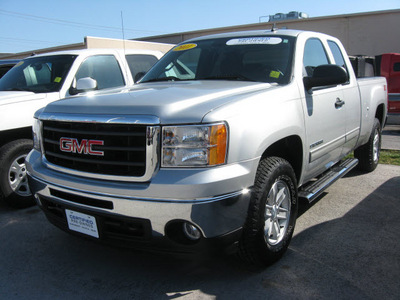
x=339, y=103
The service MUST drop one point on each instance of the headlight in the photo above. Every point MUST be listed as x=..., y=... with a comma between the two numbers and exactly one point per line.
x=194, y=145
x=36, y=130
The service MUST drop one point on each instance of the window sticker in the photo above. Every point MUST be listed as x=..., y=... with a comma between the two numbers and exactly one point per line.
x=57, y=79
x=185, y=47
x=274, y=74
x=255, y=41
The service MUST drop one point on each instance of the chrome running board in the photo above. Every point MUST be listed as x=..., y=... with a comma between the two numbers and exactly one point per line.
x=313, y=189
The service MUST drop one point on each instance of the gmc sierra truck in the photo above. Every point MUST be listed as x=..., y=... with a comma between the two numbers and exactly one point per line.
x=212, y=148
x=38, y=80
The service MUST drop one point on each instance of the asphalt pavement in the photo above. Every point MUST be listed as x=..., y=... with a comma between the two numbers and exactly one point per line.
x=345, y=246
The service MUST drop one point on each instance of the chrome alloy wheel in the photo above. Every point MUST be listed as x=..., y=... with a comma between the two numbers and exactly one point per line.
x=17, y=177
x=277, y=212
x=375, y=149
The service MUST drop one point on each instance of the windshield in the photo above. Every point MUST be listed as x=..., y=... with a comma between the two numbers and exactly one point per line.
x=260, y=59
x=43, y=74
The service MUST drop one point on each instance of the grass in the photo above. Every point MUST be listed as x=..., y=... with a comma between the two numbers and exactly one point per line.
x=390, y=157
x=387, y=157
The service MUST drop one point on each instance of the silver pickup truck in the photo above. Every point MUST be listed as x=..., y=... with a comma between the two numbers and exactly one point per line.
x=213, y=147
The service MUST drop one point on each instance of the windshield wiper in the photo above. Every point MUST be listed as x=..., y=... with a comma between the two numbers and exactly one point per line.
x=168, y=78
x=227, y=77
x=218, y=77
x=15, y=89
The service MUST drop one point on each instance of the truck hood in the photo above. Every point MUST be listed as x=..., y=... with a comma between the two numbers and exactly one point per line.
x=172, y=102
x=10, y=97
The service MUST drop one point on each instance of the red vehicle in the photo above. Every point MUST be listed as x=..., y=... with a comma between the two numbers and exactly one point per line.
x=388, y=65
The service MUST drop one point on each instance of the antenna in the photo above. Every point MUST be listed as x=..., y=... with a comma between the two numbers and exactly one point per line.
x=123, y=30
x=274, y=28
x=123, y=42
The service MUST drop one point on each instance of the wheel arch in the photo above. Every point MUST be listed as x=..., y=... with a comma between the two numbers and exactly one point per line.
x=289, y=148
x=8, y=136
x=379, y=114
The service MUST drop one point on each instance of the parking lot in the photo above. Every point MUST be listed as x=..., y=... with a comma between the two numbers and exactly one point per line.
x=346, y=245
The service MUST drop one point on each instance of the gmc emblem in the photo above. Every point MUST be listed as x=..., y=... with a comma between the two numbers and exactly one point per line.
x=85, y=146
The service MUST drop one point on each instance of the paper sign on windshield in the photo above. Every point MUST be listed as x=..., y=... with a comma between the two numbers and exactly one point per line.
x=255, y=41
x=185, y=47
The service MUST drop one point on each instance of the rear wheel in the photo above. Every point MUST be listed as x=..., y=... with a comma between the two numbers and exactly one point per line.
x=368, y=154
x=13, y=179
x=272, y=213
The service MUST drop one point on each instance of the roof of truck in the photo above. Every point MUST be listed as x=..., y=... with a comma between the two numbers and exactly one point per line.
x=102, y=51
x=287, y=32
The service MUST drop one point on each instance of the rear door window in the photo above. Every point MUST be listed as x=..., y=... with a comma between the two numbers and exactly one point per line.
x=337, y=54
x=140, y=63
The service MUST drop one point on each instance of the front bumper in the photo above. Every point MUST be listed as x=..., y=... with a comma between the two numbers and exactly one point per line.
x=187, y=198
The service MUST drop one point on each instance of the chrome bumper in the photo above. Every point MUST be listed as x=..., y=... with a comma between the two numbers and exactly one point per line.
x=185, y=196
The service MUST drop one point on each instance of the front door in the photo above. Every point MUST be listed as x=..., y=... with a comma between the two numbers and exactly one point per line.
x=325, y=114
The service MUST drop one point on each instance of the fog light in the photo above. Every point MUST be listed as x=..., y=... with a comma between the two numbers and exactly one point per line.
x=191, y=231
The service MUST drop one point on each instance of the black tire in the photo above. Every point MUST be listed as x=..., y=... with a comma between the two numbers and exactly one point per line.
x=274, y=176
x=13, y=179
x=368, y=154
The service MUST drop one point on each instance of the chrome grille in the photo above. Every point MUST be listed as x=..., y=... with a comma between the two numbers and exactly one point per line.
x=124, y=147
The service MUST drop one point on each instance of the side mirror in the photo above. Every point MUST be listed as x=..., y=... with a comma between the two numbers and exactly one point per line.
x=139, y=76
x=85, y=84
x=326, y=75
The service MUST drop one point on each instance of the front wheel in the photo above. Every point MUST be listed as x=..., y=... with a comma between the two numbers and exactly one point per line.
x=13, y=179
x=368, y=154
x=272, y=213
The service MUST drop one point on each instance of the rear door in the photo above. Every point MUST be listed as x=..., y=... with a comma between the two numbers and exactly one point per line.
x=351, y=99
